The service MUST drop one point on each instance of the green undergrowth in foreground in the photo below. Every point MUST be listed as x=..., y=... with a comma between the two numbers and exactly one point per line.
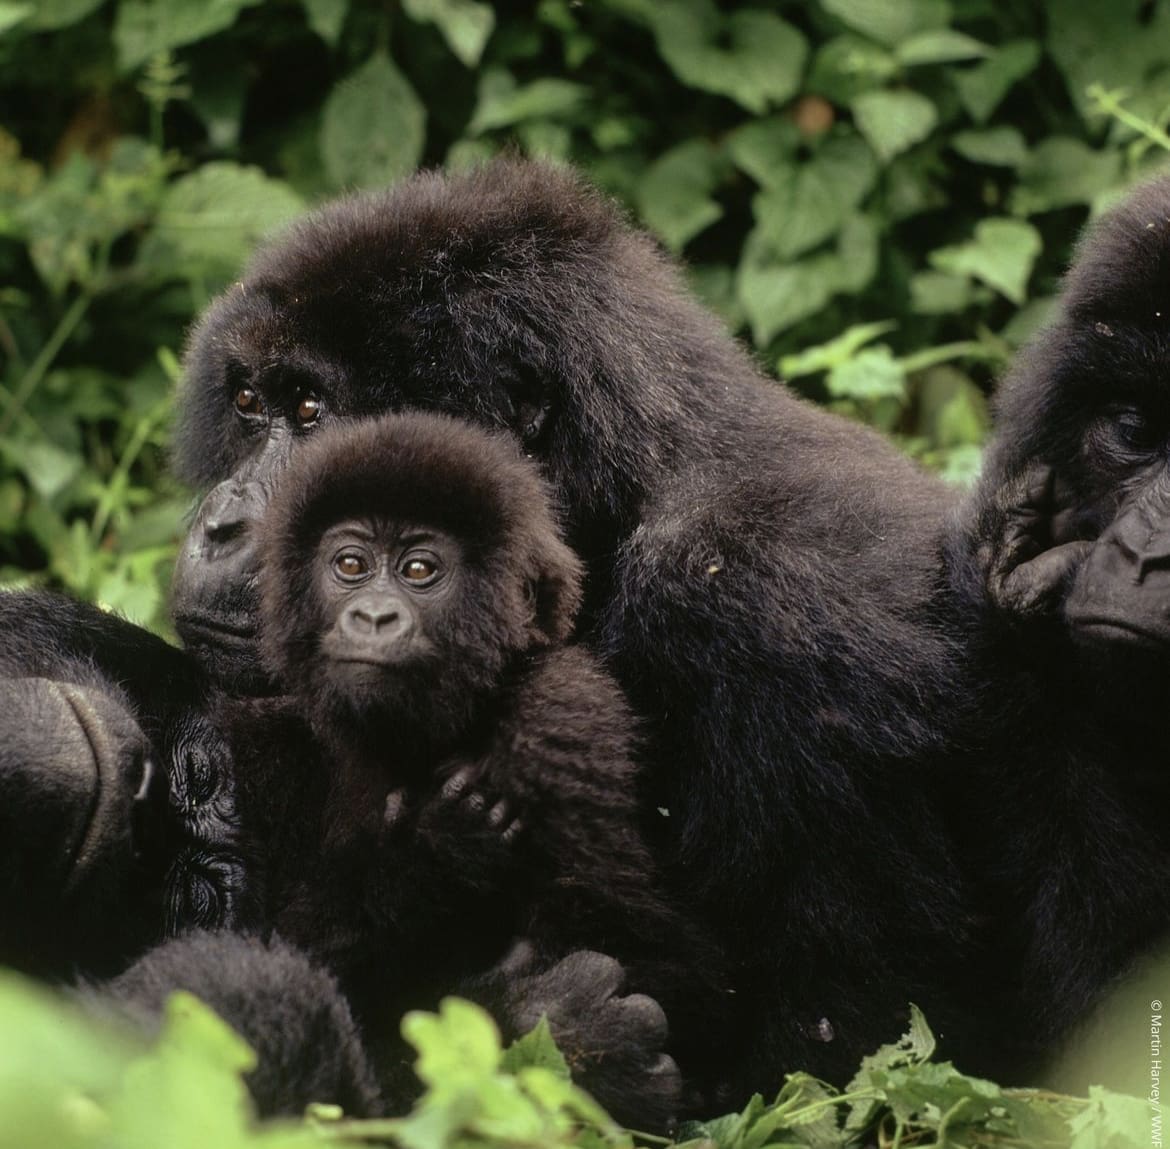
x=67, y=1082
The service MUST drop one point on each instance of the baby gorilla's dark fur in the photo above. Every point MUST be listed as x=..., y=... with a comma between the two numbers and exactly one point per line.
x=416, y=597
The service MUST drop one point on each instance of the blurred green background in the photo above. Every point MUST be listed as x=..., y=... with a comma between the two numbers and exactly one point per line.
x=878, y=195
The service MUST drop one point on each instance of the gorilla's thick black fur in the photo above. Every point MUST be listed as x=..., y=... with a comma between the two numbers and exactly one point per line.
x=1063, y=556
x=762, y=576
x=416, y=596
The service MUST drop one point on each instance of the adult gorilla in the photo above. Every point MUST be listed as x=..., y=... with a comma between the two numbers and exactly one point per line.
x=1064, y=557
x=761, y=574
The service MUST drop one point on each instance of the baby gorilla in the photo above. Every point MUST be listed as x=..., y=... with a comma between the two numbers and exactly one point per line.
x=479, y=779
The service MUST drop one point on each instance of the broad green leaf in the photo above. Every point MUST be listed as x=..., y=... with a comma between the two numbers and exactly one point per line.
x=326, y=18
x=1116, y=45
x=857, y=253
x=144, y=28
x=465, y=24
x=502, y=103
x=869, y=375
x=749, y=55
x=837, y=351
x=210, y=220
x=764, y=149
x=776, y=294
x=1001, y=254
x=1111, y=1121
x=890, y=22
x=940, y=46
x=458, y=1043
x=848, y=65
x=1029, y=320
x=982, y=88
x=674, y=195
x=999, y=147
x=53, y=14
x=812, y=200
x=893, y=121
x=1061, y=171
x=373, y=126
x=12, y=15
x=937, y=293
x=47, y=469
x=952, y=410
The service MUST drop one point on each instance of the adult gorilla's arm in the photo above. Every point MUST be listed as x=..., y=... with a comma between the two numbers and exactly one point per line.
x=117, y=805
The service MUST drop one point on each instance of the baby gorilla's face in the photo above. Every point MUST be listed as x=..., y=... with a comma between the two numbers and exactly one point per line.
x=384, y=592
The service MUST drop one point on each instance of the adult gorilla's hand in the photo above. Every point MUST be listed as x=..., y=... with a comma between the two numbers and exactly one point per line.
x=74, y=769
x=1028, y=570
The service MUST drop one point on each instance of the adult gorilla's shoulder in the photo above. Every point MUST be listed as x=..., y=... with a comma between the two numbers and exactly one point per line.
x=762, y=575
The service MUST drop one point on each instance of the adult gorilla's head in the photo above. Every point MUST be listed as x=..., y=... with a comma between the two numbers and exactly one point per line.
x=514, y=296
x=1078, y=480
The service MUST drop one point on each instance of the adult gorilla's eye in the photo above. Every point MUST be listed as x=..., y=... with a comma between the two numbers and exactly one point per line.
x=248, y=402
x=351, y=565
x=1135, y=431
x=419, y=571
x=308, y=410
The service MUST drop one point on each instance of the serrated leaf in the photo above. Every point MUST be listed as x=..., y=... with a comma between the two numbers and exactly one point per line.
x=998, y=147
x=810, y=201
x=459, y=1043
x=890, y=22
x=536, y=1049
x=145, y=28
x=848, y=65
x=1061, y=171
x=502, y=103
x=983, y=87
x=940, y=46
x=893, y=121
x=373, y=126
x=1001, y=254
x=464, y=24
x=326, y=18
x=209, y=221
x=674, y=194
x=751, y=56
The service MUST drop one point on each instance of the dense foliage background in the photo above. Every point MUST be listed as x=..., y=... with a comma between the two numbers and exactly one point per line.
x=878, y=194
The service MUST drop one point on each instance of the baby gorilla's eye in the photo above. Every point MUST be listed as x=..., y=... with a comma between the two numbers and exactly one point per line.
x=248, y=402
x=351, y=565
x=1135, y=430
x=419, y=571
x=308, y=410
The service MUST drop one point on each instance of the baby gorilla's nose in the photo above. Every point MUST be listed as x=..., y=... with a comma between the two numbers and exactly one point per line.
x=374, y=619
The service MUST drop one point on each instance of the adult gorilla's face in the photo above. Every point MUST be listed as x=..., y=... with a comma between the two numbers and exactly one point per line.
x=1090, y=401
x=514, y=297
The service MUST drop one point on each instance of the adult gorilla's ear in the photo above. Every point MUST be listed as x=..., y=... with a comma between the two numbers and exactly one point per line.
x=554, y=593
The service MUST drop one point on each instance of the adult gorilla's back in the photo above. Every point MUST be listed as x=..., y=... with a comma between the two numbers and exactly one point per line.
x=761, y=573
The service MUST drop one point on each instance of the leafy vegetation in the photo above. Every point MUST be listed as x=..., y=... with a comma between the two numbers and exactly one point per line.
x=878, y=194
x=69, y=1082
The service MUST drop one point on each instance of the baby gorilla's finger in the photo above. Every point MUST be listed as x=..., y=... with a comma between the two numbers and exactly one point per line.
x=394, y=809
x=460, y=781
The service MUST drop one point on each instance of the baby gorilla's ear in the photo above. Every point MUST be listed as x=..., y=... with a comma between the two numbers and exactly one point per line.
x=554, y=591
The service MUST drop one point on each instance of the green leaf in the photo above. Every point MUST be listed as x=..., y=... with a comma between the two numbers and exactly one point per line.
x=857, y=253
x=502, y=103
x=465, y=24
x=894, y=121
x=848, y=65
x=998, y=147
x=937, y=293
x=326, y=18
x=751, y=56
x=837, y=351
x=536, y=1049
x=13, y=14
x=145, y=28
x=674, y=193
x=54, y=14
x=868, y=376
x=1001, y=255
x=210, y=220
x=1110, y=1121
x=46, y=467
x=981, y=89
x=776, y=294
x=952, y=410
x=940, y=46
x=890, y=22
x=373, y=126
x=1116, y=45
x=811, y=201
x=764, y=149
x=1061, y=171
x=461, y=1042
